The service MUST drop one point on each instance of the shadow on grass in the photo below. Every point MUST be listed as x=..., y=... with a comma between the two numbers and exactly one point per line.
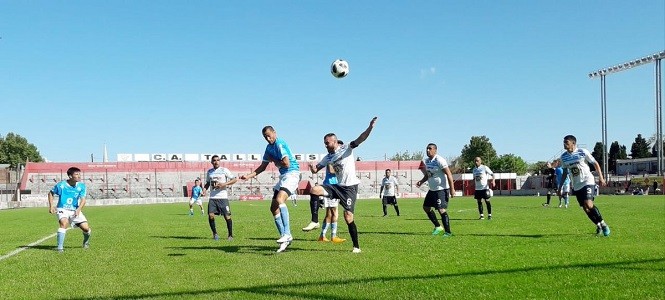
x=287, y=290
x=247, y=249
x=179, y=237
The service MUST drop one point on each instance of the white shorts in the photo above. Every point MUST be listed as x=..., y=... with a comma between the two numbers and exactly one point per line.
x=69, y=215
x=288, y=181
x=565, y=189
x=197, y=201
x=328, y=202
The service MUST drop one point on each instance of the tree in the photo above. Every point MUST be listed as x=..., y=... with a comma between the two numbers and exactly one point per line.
x=478, y=146
x=509, y=163
x=15, y=150
x=537, y=167
x=616, y=152
x=406, y=155
x=598, y=154
x=640, y=148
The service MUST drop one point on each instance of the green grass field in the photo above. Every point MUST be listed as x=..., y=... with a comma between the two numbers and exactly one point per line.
x=526, y=251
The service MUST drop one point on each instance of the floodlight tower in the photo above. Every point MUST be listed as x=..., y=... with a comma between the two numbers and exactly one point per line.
x=655, y=58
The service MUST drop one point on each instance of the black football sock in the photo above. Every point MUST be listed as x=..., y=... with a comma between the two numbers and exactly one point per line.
x=353, y=232
x=548, y=198
x=432, y=217
x=397, y=209
x=213, y=227
x=597, y=215
x=314, y=207
x=385, y=210
x=480, y=207
x=229, y=226
x=446, y=221
x=489, y=207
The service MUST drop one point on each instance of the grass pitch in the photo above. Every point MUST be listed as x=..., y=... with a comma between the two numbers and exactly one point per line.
x=159, y=252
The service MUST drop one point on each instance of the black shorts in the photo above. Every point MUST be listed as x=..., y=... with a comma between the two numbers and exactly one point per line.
x=437, y=199
x=219, y=207
x=585, y=193
x=347, y=195
x=481, y=194
x=392, y=200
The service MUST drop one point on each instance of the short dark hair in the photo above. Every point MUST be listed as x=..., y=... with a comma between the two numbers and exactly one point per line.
x=73, y=170
x=388, y=170
x=329, y=135
x=571, y=138
x=432, y=144
x=213, y=157
x=267, y=128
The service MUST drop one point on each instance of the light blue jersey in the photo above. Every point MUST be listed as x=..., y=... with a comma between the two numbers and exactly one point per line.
x=559, y=174
x=576, y=163
x=330, y=179
x=68, y=195
x=196, y=192
x=278, y=150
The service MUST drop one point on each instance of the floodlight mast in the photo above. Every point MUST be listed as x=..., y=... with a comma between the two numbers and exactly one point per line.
x=654, y=58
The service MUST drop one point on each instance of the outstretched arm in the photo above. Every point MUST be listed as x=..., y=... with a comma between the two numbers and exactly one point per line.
x=363, y=136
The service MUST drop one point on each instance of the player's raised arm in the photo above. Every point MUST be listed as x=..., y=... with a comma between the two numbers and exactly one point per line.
x=363, y=136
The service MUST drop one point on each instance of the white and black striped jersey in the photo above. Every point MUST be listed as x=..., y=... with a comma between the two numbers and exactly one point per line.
x=576, y=163
x=480, y=176
x=389, y=185
x=344, y=163
x=434, y=169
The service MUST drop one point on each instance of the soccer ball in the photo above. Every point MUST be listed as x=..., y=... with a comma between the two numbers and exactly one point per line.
x=339, y=68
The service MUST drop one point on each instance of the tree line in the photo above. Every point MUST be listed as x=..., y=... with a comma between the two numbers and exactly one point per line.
x=15, y=150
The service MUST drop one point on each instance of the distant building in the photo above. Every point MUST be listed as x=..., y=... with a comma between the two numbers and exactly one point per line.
x=637, y=166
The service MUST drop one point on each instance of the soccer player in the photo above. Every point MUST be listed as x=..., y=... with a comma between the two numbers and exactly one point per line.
x=480, y=176
x=71, y=199
x=197, y=191
x=388, y=192
x=316, y=202
x=574, y=161
x=565, y=188
x=217, y=180
x=278, y=152
x=344, y=164
x=441, y=188
x=551, y=182
x=330, y=204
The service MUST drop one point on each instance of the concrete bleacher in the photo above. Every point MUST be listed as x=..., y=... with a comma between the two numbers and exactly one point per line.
x=144, y=182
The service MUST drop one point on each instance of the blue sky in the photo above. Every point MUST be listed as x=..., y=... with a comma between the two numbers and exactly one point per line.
x=206, y=76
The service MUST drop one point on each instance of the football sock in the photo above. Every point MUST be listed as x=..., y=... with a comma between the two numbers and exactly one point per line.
x=353, y=232
x=324, y=230
x=314, y=207
x=86, y=236
x=489, y=207
x=191, y=210
x=385, y=210
x=333, y=229
x=229, y=226
x=61, y=237
x=480, y=207
x=446, y=221
x=284, y=211
x=432, y=217
x=397, y=209
x=549, y=196
x=565, y=198
x=213, y=227
x=596, y=214
x=279, y=225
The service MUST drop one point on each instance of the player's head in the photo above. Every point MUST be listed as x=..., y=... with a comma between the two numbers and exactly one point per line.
x=215, y=160
x=197, y=182
x=331, y=142
x=269, y=134
x=431, y=150
x=478, y=161
x=74, y=173
x=569, y=143
x=388, y=172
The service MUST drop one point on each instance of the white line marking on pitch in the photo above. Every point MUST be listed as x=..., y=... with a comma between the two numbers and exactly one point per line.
x=19, y=250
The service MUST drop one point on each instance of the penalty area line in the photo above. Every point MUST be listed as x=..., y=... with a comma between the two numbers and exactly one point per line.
x=21, y=249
